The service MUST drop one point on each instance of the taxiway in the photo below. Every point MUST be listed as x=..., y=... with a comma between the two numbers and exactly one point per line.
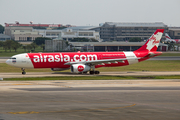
x=57, y=74
x=90, y=100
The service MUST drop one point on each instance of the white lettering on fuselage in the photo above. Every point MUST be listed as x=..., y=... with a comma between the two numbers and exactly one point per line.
x=63, y=58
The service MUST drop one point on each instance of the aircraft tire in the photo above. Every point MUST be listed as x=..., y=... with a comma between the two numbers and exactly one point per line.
x=23, y=73
x=84, y=72
x=96, y=72
x=91, y=72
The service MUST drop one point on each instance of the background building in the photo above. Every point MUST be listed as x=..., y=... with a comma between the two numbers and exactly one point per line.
x=53, y=34
x=109, y=31
x=174, y=32
x=22, y=33
x=71, y=33
x=4, y=37
x=16, y=24
x=56, y=45
x=112, y=31
x=89, y=32
x=112, y=46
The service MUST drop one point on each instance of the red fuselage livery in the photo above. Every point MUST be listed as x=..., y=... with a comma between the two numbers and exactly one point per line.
x=52, y=60
x=83, y=62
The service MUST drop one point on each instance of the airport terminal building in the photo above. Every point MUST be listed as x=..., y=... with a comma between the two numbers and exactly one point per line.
x=112, y=46
x=4, y=37
x=108, y=31
x=174, y=32
x=71, y=33
x=21, y=33
x=112, y=31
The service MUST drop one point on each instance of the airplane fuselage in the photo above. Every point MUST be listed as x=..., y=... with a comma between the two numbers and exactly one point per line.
x=57, y=60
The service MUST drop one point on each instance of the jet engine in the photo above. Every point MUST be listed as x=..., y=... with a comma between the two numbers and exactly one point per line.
x=59, y=69
x=78, y=68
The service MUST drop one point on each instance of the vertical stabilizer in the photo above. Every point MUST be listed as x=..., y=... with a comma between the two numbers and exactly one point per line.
x=167, y=36
x=153, y=42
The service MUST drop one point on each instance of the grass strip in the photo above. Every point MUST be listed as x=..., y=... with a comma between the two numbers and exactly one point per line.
x=171, y=54
x=93, y=78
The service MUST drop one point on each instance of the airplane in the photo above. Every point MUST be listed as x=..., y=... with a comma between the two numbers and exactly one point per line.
x=168, y=39
x=83, y=62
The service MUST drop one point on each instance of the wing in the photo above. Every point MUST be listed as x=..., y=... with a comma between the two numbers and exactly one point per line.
x=102, y=62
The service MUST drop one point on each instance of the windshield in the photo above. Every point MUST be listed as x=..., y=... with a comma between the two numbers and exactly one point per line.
x=13, y=59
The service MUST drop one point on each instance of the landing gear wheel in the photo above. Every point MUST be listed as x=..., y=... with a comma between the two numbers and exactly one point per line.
x=91, y=72
x=96, y=72
x=23, y=71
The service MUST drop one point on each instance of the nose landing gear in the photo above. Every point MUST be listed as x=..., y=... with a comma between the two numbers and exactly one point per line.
x=23, y=71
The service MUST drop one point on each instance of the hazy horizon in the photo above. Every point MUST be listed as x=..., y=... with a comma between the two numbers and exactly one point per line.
x=89, y=12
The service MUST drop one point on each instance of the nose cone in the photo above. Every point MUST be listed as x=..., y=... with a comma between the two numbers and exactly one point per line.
x=8, y=61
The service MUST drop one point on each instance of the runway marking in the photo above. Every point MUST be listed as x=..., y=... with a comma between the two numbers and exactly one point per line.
x=38, y=84
x=54, y=85
x=22, y=84
x=25, y=112
x=66, y=111
x=58, y=102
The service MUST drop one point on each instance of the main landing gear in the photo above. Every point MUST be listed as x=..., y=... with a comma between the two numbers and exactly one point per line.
x=94, y=72
x=90, y=72
x=23, y=71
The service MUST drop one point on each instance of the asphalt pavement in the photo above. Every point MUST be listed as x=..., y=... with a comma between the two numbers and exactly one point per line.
x=90, y=100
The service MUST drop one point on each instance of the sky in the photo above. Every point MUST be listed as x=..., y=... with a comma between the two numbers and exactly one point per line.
x=89, y=12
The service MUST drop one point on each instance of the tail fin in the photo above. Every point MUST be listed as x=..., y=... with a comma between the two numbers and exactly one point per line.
x=153, y=42
x=167, y=36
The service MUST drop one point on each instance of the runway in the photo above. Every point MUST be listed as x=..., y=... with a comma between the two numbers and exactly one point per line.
x=58, y=74
x=90, y=100
x=166, y=58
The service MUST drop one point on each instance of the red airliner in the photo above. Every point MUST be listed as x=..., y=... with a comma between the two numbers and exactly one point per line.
x=83, y=62
x=168, y=39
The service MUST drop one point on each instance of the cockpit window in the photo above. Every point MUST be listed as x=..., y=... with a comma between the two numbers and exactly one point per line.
x=13, y=59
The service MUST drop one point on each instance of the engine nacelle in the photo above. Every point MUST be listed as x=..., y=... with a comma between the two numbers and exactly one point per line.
x=78, y=68
x=59, y=69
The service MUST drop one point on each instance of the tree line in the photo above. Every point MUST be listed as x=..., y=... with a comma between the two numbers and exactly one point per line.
x=10, y=45
x=14, y=45
x=1, y=29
